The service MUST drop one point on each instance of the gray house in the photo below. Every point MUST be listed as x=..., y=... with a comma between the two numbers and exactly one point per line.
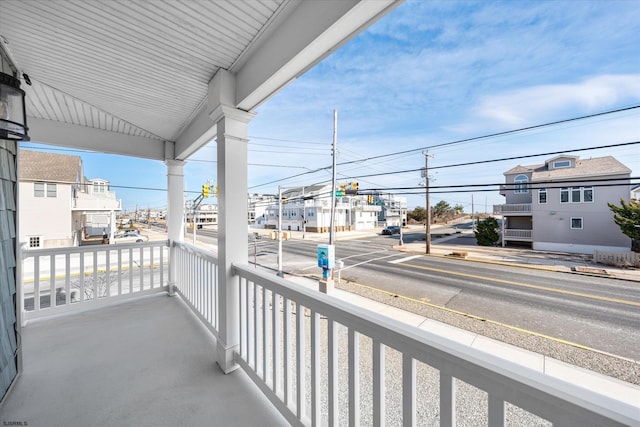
x=561, y=205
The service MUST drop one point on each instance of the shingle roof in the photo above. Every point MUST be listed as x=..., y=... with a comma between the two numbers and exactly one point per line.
x=584, y=168
x=598, y=166
x=50, y=167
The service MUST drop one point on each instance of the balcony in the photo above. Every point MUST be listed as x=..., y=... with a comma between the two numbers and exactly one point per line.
x=305, y=358
x=514, y=234
x=105, y=201
x=523, y=209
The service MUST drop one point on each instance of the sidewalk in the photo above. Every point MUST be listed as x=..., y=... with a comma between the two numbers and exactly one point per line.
x=598, y=383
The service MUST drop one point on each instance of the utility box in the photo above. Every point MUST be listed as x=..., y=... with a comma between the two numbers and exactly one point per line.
x=326, y=257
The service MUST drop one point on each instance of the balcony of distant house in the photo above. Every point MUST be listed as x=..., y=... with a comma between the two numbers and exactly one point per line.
x=98, y=202
x=517, y=209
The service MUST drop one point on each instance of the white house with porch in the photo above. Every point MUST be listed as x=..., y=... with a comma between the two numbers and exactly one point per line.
x=159, y=80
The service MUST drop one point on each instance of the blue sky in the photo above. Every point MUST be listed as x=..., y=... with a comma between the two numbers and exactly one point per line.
x=432, y=72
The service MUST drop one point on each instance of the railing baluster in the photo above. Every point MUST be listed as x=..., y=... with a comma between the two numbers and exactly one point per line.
x=36, y=283
x=130, y=270
x=141, y=268
x=286, y=325
x=300, y=362
x=496, y=411
x=254, y=310
x=151, y=264
x=52, y=281
x=354, y=378
x=82, y=276
x=107, y=272
x=275, y=341
x=119, y=271
x=378, y=384
x=315, y=369
x=67, y=278
x=332, y=352
x=95, y=275
x=408, y=390
x=242, y=322
x=447, y=400
x=265, y=335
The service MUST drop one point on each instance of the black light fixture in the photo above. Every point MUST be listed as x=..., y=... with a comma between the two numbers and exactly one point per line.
x=13, y=115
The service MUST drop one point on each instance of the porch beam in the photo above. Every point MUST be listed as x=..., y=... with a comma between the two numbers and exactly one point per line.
x=86, y=138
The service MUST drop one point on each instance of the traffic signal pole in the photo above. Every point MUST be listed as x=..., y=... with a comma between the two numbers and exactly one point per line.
x=333, y=180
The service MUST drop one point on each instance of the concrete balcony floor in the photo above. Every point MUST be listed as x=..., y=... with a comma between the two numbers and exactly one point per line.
x=145, y=362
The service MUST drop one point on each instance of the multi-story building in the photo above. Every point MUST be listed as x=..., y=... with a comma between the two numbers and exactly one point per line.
x=53, y=186
x=309, y=208
x=561, y=205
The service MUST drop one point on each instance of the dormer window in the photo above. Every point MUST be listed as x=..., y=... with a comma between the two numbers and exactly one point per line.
x=562, y=164
x=521, y=184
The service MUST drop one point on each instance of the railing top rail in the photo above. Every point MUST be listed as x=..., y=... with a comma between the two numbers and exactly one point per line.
x=469, y=364
x=203, y=253
x=27, y=253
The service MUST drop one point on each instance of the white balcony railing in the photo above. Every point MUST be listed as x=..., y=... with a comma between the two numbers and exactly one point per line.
x=518, y=234
x=63, y=279
x=197, y=282
x=321, y=360
x=96, y=203
x=511, y=209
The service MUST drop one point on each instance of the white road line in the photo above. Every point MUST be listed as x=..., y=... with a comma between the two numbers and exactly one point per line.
x=409, y=258
x=368, y=261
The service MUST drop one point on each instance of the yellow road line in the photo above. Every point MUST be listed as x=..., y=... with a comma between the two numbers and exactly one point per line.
x=526, y=285
x=493, y=322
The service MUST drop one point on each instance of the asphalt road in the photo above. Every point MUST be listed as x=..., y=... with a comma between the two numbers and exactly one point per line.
x=599, y=313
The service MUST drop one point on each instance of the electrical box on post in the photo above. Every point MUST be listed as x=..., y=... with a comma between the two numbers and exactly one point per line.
x=326, y=256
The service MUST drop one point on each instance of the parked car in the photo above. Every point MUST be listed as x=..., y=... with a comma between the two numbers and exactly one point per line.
x=130, y=236
x=392, y=229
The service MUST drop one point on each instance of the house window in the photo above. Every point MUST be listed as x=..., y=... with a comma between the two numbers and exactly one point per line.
x=542, y=196
x=562, y=164
x=52, y=190
x=521, y=184
x=34, y=241
x=575, y=195
x=587, y=194
x=564, y=195
x=38, y=189
x=98, y=187
x=576, y=223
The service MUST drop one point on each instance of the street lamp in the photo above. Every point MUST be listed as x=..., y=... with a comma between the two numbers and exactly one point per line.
x=13, y=116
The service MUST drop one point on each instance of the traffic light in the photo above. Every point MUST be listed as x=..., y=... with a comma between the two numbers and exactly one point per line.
x=370, y=199
x=216, y=190
x=354, y=186
x=343, y=187
x=205, y=190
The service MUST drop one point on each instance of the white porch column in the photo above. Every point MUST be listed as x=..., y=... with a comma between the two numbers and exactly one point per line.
x=231, y=125
x=175, y=212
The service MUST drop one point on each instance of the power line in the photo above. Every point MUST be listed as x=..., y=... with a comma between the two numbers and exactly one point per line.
x=624, y=144
x=466, y=140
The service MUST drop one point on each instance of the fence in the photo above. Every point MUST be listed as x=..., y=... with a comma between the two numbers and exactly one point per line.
x=618, y=259
x=62, y=279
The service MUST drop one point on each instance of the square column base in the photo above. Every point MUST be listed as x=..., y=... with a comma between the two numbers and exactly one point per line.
x=225, y=357
x=326, y=286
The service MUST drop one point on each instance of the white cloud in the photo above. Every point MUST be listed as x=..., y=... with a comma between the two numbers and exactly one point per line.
x=537, y=104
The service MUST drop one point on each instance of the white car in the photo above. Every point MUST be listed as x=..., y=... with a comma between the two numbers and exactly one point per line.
x=132, y=236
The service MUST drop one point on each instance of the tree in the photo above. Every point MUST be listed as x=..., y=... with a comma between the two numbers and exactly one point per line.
x=627, y=216
x=487, y=232
x=441, y=209
x=418, y=214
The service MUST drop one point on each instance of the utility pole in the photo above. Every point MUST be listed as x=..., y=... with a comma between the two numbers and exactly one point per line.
x=428, y=207
x=280, y=231
x=333, y=180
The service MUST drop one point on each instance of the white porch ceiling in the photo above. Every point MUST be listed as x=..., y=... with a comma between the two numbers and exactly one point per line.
x=126, y=76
